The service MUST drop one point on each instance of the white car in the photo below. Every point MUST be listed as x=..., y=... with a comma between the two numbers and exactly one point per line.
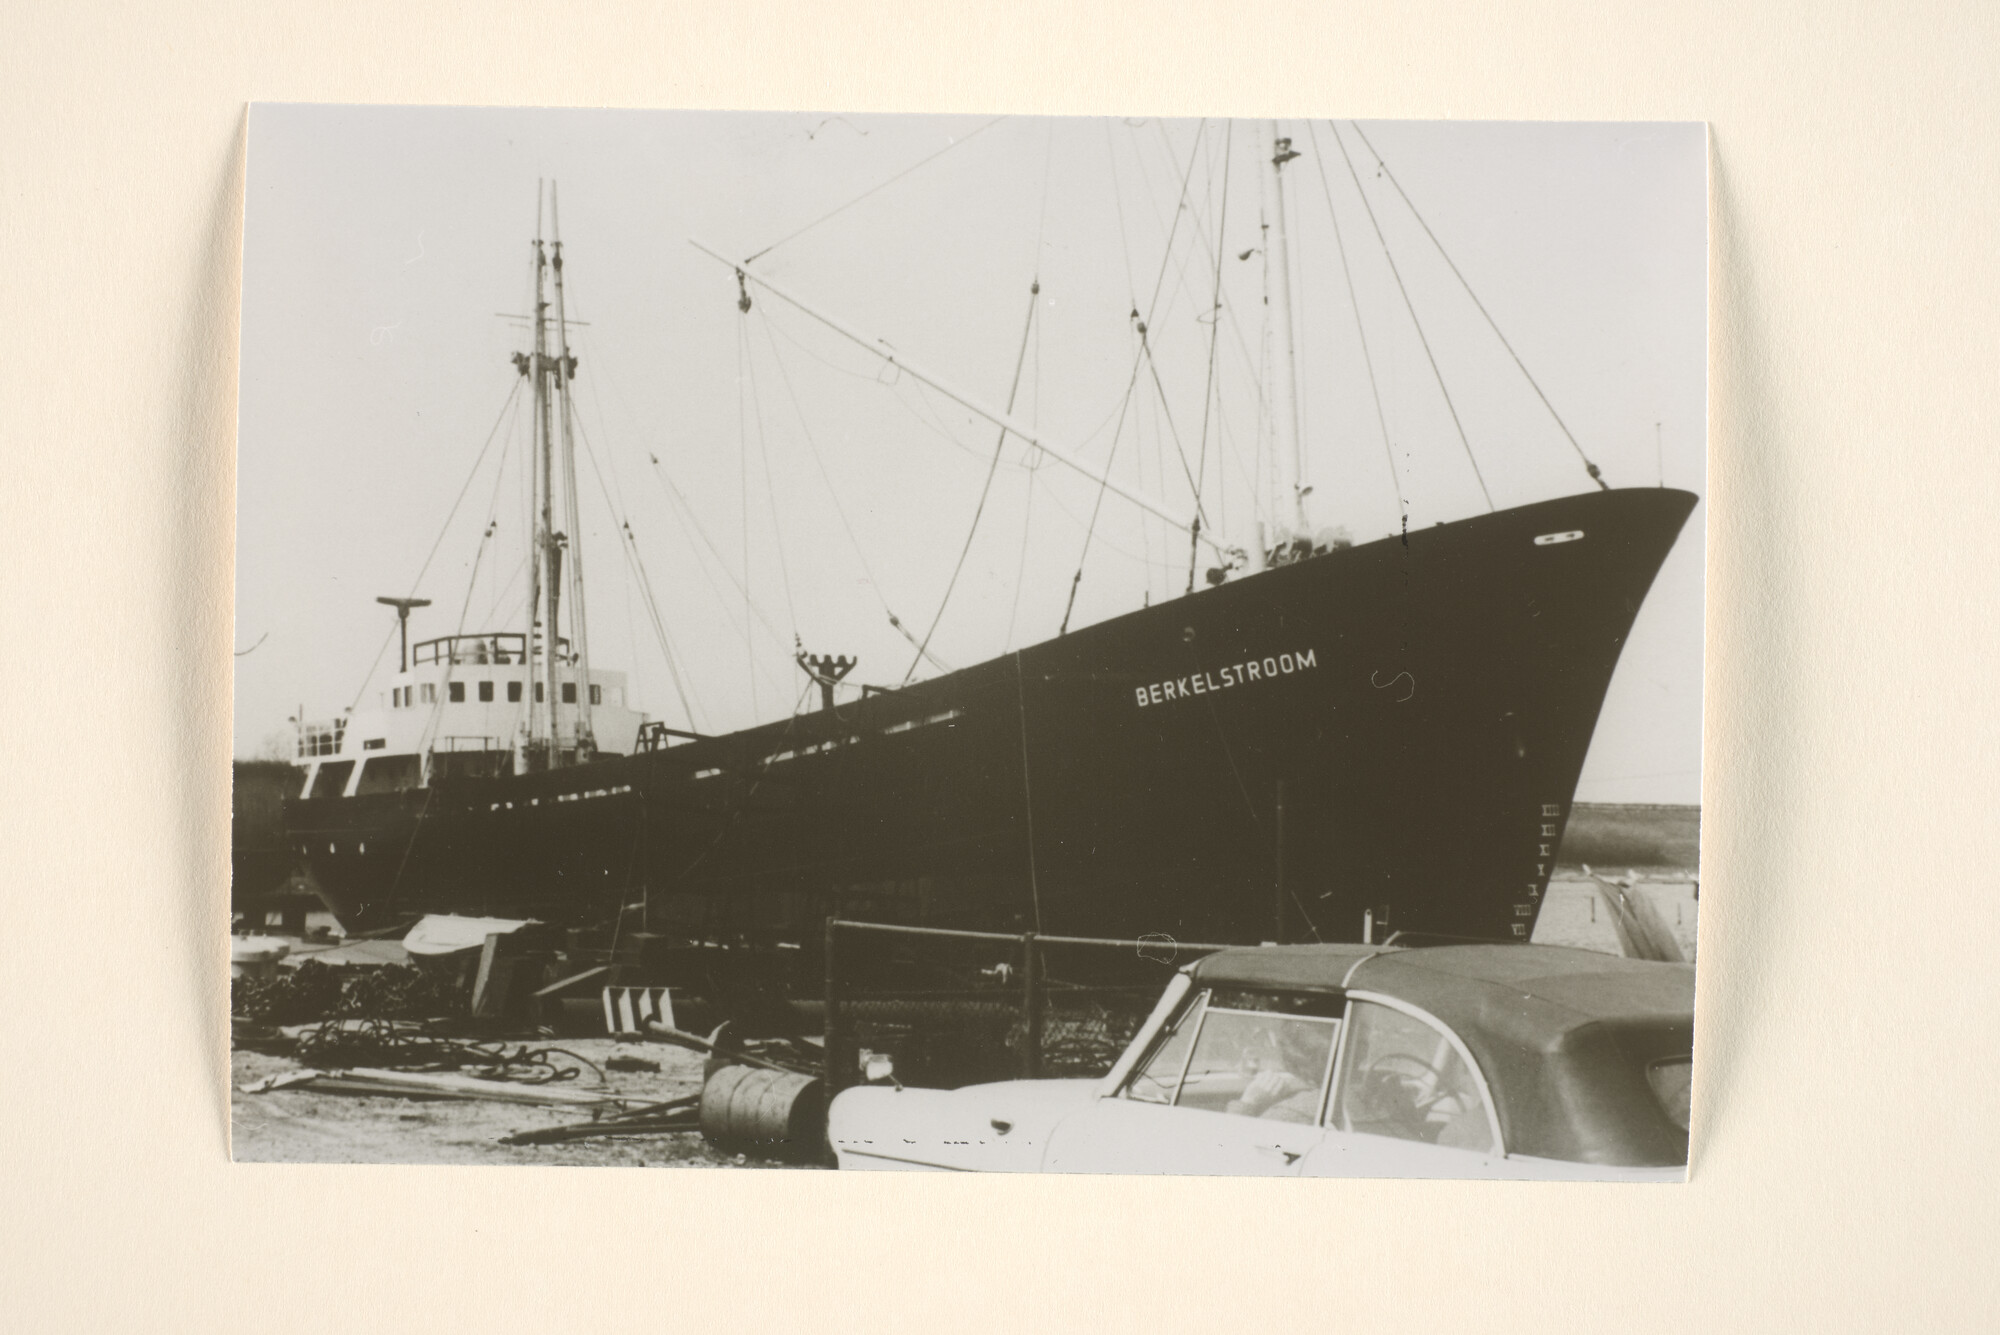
x=1507, y=1061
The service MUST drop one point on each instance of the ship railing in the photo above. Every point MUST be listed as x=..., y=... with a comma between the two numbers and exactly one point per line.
x=1410, y=940
x=496, y=647
x=1004, y=1002
x=658, y=737
x=452, y=744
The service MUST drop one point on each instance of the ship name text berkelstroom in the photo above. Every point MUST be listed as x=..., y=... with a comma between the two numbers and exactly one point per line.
x=1226, y=678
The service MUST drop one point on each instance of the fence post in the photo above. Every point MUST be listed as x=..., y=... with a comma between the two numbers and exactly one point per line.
x=1031, y=1008
x=830, y=1039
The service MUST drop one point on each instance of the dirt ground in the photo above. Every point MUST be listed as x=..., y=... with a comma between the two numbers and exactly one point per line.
x=301, y=1126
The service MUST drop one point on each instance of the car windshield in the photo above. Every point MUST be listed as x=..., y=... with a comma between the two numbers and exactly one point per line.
x=1244, y=1051
x=1159, y=1076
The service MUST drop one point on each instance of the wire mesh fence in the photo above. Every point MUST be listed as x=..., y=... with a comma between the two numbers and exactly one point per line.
x=943, y=1008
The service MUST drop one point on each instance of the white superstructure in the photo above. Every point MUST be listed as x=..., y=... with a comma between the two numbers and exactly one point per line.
x=457, y=708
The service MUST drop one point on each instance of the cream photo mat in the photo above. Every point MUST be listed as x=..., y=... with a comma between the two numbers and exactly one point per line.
x=1840, y=1149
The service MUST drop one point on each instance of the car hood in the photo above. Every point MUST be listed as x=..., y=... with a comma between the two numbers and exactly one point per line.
x=1000, y=1127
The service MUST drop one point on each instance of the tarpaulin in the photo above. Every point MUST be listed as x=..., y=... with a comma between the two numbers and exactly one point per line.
x=447, y=933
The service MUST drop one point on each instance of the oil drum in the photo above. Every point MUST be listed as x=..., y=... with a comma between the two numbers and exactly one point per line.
x=775, y=1114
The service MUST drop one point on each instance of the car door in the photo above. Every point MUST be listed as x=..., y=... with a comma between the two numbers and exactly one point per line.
x=1408, y=1101
x=1234, y=1084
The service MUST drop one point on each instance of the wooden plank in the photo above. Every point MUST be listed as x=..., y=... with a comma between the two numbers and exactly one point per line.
x=471, y=1086
x=482, y=986
x=572, y=981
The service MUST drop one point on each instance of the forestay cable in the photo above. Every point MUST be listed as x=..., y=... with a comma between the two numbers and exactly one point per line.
x=873, y=189
x=1409, y=305
x=1354, y=300
x=1596, y=475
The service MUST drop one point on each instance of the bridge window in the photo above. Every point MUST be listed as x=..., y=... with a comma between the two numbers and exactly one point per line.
x=456, y=690
x=513, y=692
x=331, y=781
x=597, y=695
x=485, y=692
x=569, y=692
x=540, y=695
x=388, y=774
x=430, y=692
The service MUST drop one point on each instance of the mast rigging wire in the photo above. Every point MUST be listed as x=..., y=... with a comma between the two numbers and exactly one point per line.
x=1411, y=307
x=1033, y=462
x=1354, y=300
x=1595, y=474
x=743, y=482
x=429, y=733
x=873, y=189
x=638, y=566
x=770, y=481
x=1152, y=306
x=1214, y=333
x=686, y=512
x=805, y=430
x=1013, y=391
x=443, y=529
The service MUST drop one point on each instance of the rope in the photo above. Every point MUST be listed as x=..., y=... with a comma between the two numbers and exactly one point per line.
x=872, y=189
x=770, y=481
x=1020, y=360
x=1214, y=334
x=874, y=585
x=660, y=629
x=1167, y=412
x=632, y=558
x=1354, y=300
x=743, y=477
x=497, y=422
x=1596, y=475
x=686, y=512
x=1151, y=306
x=429, y=733
x=446, y=528
x=1411, y=307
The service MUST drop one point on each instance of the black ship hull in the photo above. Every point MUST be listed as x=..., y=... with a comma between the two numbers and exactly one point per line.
x=1388, y=734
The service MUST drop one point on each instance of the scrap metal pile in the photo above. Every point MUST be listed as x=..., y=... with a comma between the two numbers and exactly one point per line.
x=316, y=991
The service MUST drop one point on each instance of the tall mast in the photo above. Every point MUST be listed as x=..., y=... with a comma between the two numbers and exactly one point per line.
x=1291, y=517
x=529, y=744
x=565, y=371
x=545, y=535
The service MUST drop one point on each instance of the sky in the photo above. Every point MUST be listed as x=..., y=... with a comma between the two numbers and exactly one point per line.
x=782, y=485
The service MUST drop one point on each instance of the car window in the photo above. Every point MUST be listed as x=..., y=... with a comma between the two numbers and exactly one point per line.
x=1261, y=1055
x=1401, y=1077
x=1159, y=1076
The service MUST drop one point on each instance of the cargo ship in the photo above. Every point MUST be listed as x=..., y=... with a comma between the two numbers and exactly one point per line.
x=1321, y=741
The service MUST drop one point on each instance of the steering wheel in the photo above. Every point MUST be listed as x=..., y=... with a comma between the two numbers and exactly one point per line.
x=1403, y=1088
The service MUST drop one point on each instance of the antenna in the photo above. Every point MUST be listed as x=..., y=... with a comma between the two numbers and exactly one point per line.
x=403, y=606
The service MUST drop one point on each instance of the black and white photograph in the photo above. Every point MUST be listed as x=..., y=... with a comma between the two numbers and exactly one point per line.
x=972, y=643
